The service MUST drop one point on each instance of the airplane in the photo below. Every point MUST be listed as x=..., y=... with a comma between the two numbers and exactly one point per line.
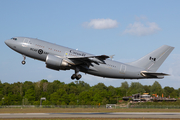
x=58, y=57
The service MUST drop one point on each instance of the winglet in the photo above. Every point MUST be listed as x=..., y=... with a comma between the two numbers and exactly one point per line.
x=111, y=56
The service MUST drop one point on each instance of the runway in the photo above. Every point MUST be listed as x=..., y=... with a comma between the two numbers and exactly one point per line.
x=93, y=115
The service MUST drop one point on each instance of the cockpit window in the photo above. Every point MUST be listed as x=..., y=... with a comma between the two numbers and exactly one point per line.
x=14, y=38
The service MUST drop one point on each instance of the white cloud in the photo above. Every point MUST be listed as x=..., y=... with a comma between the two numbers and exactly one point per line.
x=140, y=29
x=101, y=24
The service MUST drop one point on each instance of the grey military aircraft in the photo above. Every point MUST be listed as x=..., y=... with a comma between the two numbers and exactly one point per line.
x=58, y=58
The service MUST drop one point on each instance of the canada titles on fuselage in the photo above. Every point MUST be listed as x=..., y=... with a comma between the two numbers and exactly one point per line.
x=77, y=53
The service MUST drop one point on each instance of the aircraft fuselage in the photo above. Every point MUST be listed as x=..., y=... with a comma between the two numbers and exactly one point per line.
x=73, y=59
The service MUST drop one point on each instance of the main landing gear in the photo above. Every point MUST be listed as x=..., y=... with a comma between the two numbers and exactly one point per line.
x=76, y=75
x=24, y=62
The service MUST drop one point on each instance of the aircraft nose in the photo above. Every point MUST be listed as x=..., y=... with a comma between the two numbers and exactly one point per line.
x=7, y=42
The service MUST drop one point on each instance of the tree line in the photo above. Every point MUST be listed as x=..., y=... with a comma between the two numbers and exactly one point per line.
x=75, y=93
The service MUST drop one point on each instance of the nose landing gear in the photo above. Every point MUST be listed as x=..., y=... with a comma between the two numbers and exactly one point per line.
x=76, y=75
x=24, y=62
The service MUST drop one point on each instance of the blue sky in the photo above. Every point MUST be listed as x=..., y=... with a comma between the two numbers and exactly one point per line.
x=127, y=29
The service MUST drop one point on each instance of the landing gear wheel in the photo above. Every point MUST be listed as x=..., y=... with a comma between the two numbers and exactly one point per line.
x=73, y=76
x=23, y=62
x=78, y=76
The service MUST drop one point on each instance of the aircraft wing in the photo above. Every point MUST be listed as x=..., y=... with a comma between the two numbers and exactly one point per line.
x=90, y=59
x=101, y=57
x=154, y=75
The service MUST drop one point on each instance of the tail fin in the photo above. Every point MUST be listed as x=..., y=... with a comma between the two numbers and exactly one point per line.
x=153, y=60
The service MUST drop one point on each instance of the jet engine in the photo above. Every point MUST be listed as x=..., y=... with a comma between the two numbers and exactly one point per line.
x=56, y=63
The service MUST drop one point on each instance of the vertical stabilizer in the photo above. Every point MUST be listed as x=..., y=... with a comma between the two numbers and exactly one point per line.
x=153, y=60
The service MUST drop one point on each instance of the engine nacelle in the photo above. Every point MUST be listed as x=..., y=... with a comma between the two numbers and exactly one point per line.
x=56, y=63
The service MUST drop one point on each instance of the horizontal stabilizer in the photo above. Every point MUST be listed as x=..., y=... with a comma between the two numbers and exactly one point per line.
x=153, y=75
x=157, y=74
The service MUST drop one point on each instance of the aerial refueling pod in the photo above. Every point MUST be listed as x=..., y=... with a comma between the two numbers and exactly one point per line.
x=56, y=63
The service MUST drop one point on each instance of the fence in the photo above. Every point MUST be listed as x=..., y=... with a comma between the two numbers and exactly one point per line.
x=53, y=106
x=94, y=106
